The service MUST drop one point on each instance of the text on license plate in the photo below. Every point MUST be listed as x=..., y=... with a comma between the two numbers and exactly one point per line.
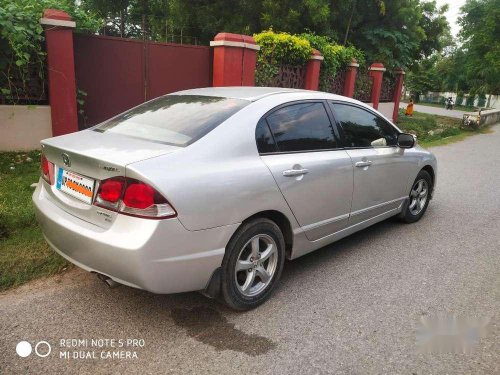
x=76, y=185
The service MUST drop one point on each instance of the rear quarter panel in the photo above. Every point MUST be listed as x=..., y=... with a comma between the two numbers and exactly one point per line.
x=220, y=179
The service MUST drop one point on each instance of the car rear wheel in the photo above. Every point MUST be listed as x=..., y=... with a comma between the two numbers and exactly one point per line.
x=252, y=264
x=419, y=198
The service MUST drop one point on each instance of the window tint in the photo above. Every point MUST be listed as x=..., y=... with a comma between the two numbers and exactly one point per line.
x=265, y=141
x=178, y=120
x=302, y=127
x=363, y=128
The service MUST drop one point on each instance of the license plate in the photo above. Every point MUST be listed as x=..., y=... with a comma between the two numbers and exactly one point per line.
x=78, y=186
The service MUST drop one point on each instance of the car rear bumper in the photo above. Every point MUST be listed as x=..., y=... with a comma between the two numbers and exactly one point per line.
x=160, y=256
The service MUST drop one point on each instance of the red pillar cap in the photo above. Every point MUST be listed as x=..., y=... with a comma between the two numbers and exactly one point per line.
x=248, y=39
x=377, y=65
x=230, y=37
x=316, y=55
x=56, y=14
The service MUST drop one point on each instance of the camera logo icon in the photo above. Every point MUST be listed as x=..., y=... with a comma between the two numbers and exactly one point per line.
x=24, y=349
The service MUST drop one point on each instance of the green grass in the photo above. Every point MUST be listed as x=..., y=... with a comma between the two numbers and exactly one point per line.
x=466, y=108
x=432, y=130
x=24, y=255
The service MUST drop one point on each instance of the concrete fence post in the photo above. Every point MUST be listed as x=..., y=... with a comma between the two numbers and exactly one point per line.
x=235, y=59
x=59, y=27
x=398, y=88
x=312, y=71
x=376, y=73
x=350, y=78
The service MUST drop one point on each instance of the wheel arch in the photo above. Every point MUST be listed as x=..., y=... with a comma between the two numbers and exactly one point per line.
x=282, y=222
x=429, y=169
x=213, y=288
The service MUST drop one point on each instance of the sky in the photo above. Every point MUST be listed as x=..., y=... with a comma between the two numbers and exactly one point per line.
x=453, y=13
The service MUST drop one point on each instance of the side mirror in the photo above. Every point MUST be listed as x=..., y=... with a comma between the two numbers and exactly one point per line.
x=406, y=140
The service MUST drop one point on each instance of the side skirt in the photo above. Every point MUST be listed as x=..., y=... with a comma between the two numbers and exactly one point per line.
x=303, y=246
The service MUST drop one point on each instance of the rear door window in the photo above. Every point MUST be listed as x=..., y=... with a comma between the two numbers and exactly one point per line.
x=302, y=127
x=264, y=138
x=177, y=120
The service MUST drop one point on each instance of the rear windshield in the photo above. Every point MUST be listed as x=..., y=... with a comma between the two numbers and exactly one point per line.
x=177, y=120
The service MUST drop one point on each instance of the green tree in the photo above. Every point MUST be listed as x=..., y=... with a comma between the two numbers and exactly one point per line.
x=424, y=77
x=395, y=32
x=480, y=35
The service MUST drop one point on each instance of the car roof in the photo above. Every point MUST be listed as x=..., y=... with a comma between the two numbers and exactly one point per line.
x=250, y=93
x=253, y=94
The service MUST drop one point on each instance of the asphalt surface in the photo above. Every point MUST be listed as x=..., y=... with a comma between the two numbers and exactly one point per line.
x=440, y=111
x=350, y=308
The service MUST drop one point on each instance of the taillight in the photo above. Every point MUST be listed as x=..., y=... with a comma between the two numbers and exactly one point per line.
x=139, y=196
x=47, y=169
x=111, y=190
x=133, y=197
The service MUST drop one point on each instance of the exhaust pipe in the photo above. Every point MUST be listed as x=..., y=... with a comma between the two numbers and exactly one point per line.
x=108, y=280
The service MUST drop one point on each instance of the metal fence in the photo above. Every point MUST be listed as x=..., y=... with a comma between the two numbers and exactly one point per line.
x=288, y=76
x=119, y=73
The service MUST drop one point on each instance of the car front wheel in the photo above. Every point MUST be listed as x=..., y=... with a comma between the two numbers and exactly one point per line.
x=252, y=264
x=419, y=198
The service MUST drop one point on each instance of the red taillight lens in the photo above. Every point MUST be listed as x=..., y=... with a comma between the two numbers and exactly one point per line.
x=44, y=165
x=133, y=197
x=47, y=169
x=111, y=190
x=139, y=196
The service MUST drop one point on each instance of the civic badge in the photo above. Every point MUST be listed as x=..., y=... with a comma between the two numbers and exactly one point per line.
x=66, y=160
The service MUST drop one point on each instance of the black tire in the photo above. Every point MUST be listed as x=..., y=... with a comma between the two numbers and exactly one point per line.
x=409, y=216
x=231, y=293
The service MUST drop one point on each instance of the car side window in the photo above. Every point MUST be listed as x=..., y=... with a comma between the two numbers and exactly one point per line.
x=302, y=127
x=363, y=128
x=264, y=138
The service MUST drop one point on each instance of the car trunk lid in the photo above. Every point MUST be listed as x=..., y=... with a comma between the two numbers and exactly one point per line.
x=95, y=156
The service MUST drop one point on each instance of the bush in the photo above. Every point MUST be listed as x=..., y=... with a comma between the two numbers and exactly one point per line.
x=470, y=100
x=336, y=57
x=278, y=49
x=481, y=100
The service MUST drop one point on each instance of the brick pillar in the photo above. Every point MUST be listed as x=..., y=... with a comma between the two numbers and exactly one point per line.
x=312, y=71
x=400, y=77
x=59, y=27
x=235, y=58
x=377, y=73
x=350, y=78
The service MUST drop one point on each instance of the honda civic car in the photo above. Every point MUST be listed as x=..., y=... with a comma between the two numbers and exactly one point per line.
x=212, y=189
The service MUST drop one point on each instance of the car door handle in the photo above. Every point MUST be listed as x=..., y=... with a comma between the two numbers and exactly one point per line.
x=362, y=164
x=295, y=172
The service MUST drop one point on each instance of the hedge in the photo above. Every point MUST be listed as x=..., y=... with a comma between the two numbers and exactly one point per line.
x=280, y=48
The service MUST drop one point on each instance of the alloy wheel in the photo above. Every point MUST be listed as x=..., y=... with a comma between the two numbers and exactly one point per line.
x=256, y=265
x=418, y=196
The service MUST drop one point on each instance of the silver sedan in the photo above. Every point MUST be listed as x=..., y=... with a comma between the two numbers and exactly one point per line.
x=211, y=189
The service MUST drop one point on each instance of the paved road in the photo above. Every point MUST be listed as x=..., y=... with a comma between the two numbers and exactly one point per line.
x=350, y=308
x=435, y=110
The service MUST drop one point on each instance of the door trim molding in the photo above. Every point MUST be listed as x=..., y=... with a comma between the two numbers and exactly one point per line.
x=362, y=211
x=321, y=223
